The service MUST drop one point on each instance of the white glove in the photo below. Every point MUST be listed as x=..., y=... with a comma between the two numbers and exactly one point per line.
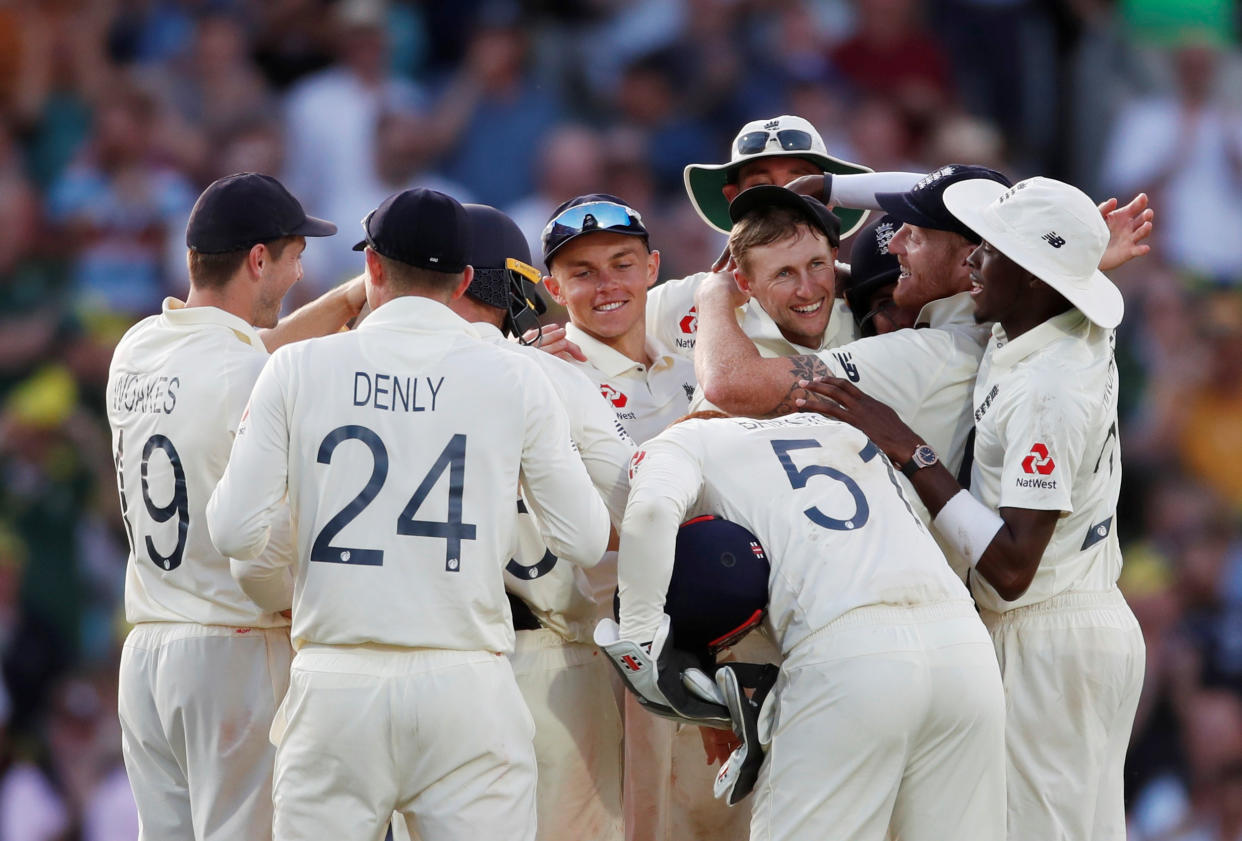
x=666, y=680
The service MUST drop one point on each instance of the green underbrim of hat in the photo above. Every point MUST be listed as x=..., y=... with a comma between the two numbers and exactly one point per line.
x=705, y=182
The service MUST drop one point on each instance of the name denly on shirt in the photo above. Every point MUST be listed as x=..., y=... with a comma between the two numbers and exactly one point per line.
x=145, y=394
x=394, y=393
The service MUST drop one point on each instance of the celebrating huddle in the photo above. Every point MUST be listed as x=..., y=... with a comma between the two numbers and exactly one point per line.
x=371, y=577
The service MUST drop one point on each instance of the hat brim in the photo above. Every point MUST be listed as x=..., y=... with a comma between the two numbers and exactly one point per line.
x=705, y=182
x=767, y=195
x=314, y=227
x=899, y=206
x=1095, y=295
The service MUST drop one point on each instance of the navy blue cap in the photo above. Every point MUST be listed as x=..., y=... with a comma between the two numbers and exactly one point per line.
x=240, y=210
x=605, y=213
x=420, y=227
x=872, y=267
x=924, y=206
x=770, y=195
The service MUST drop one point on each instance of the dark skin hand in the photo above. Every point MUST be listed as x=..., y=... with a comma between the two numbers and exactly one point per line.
x=1010, y=560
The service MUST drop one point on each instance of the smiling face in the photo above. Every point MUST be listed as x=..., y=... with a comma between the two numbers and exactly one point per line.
x=933, y=265
x=997, y=286
x=602, y=280
x=794, y=280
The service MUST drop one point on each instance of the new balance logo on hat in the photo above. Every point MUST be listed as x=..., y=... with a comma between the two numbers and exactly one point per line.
x=1053, y=239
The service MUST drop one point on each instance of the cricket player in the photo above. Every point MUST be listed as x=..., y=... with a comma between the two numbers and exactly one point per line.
x=888, y=705
x=600, y=266
x=401, y=446
x=566, y=684
x=205, y=666
x=767, y=151
x=1038, y=526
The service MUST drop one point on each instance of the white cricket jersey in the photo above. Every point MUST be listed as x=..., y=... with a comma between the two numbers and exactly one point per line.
x=822, y=499
x=560, y=594
x=1046, y=439
x=646, y=398
x=401, y=445
x=177, y=387
x=672, y=320
x=925, y=374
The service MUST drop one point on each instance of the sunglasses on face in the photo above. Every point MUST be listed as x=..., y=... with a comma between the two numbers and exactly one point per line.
x=791, y=140
x=596, y=215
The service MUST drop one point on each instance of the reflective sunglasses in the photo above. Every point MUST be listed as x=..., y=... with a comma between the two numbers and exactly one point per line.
x=596, y=215
x=791, y=140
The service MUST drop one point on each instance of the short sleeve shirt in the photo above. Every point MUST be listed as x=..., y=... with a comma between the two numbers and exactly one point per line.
x=1046, y=419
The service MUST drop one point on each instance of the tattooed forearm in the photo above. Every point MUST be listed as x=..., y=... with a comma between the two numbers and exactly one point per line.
x=801, y=368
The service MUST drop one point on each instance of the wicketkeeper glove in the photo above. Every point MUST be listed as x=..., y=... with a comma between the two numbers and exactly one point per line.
x=666, y=680
x=751, y=724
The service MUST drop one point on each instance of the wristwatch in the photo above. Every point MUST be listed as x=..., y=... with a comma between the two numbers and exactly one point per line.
x=924, y=456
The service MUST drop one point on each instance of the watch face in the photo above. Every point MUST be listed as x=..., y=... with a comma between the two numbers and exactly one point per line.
x=925, y=456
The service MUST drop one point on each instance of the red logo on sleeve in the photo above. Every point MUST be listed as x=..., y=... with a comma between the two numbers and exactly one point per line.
x=636, y=460
x=613, y=396
x=690, y=321
x=1038, y=461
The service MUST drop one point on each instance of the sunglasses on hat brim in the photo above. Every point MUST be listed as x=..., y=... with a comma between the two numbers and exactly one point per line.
x=791, y=140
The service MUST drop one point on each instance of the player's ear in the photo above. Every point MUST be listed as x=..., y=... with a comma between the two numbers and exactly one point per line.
x=466, y=277
x=257, y=258
x=375, y=269
x=653, y=268
x=554, y=288
x=742, y=281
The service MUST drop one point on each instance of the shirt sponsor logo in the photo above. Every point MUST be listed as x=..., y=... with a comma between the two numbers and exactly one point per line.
x=690, y=321
x=1042, y=484
x=613, y=396
x=1038, y=461
x=636, y=460
x=986, y=404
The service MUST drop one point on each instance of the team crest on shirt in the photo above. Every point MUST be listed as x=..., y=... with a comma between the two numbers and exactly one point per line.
x=689, y=390
x=613, y=395
x=636, y=460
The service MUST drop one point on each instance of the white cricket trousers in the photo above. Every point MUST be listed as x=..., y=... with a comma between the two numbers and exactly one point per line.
x=887, y=716
x=1072, y=667
x=442, y=737
x=195, y=703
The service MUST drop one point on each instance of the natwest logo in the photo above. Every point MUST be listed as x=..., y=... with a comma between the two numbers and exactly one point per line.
x=690, y=321
x=613, y=396
x=1038, y=461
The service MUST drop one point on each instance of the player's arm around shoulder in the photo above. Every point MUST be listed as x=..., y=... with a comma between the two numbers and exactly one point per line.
x=572, y=517
x=253, y=487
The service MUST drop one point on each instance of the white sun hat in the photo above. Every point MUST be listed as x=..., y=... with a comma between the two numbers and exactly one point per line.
x=783, y=136
x=1049, y=228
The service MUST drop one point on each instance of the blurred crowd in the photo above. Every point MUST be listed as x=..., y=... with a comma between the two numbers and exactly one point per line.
x=114, y=114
